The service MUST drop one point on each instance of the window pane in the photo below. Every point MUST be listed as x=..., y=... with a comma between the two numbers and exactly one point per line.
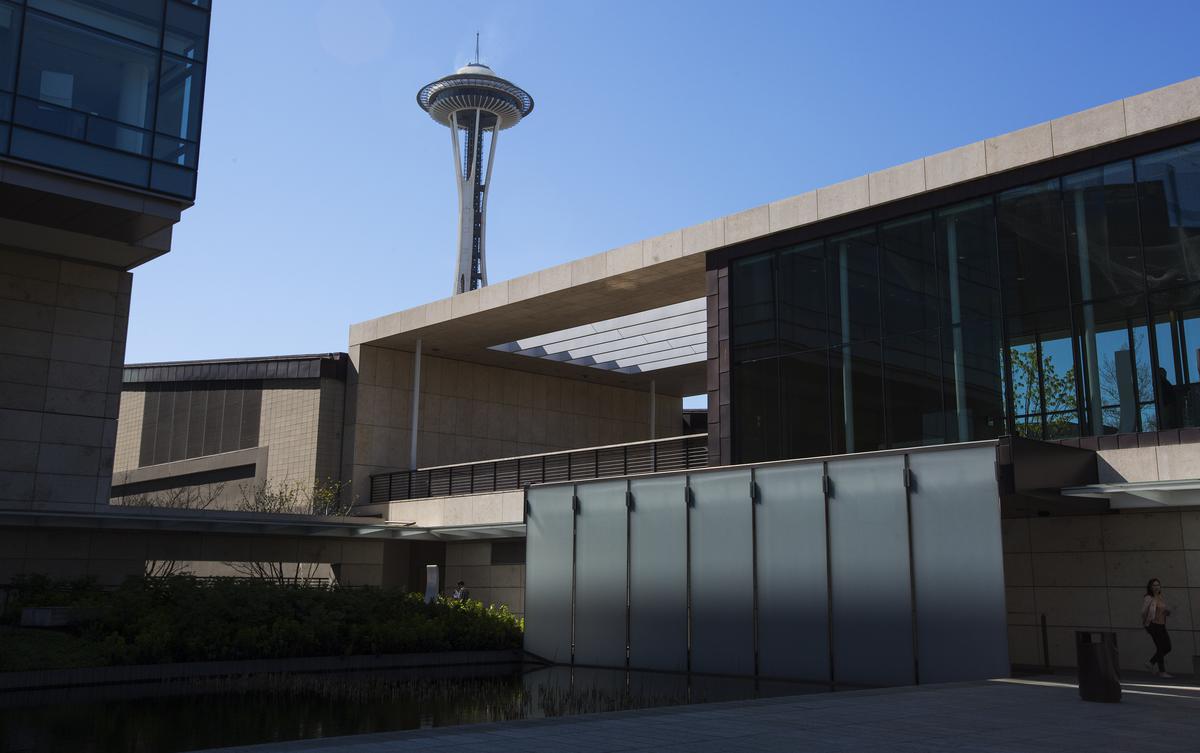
x=175, y=151
x=180, y=94
x=966, y=236
x=80, y=157
x=756, y=411
x=856, y=387
x=1115, y=350
x=1169, y=201
x=10, y=32
x=3, y=139
x=909, y=278
x=912, y=374
x=186, y=31
x=6, y=106
x=67, y=67
x=1177, y=341
x=1103, y=242
x=802, y=323
x=138, y=20
x=853, y=264
x=1033, y=262
x=973, y=371
x=1043, y=374
x=805, y=396
x=752, y=307
x=174, y=180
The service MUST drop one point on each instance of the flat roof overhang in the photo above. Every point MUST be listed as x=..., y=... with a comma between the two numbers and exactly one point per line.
x=163, y=520
x=1141, y=495
x=631, y=280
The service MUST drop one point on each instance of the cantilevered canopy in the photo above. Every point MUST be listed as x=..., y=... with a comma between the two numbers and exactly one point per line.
x=637, y=343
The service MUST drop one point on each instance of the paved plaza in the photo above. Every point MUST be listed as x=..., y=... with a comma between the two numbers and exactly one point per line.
x=1044, y=714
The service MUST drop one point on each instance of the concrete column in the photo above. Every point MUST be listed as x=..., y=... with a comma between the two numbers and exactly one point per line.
x=416, y=406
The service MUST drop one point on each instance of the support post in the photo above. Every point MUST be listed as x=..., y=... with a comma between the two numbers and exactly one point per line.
x=653, y=412
x=416, y=406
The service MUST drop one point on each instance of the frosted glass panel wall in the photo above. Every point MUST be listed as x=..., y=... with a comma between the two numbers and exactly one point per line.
x=958, y=566
x=722, y=568
x=868, y=570
x=600, y=568
x=793, y=608
x=548, y=565
x=658, y=626
x=869, y=577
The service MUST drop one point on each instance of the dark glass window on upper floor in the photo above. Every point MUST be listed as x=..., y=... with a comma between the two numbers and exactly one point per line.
x=1104, y=248
x=752, y=285
x=853, y=284
x=1176, y=316
x=1169, y=199
x=802, y=298
x=94, y=88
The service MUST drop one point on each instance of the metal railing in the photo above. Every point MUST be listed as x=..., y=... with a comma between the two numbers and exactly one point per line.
x=673, y=454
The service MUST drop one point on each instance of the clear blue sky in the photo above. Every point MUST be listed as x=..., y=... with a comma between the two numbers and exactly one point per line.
x=326, y=197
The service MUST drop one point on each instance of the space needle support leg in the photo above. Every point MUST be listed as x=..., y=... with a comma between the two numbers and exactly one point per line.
x=487, y=184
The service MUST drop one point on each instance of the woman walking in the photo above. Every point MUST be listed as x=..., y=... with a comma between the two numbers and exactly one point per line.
x=1154, y=617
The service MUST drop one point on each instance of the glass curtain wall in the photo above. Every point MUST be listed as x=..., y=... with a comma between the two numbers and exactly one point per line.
x=1069, y=307
x=110, y=89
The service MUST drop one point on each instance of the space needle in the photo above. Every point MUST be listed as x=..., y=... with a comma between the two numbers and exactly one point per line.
x=476, y=105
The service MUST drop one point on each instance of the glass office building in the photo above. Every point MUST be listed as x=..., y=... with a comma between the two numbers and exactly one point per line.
x=1067, y=307
x=108, y=89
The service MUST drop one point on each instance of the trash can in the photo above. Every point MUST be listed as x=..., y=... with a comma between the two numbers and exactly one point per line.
x=1099, y=677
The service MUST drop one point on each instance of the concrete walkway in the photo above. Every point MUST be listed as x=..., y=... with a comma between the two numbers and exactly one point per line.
x=1004, y=715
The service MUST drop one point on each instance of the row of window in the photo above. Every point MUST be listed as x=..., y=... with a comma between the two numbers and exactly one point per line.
x=108, y=89
x=1066, y=307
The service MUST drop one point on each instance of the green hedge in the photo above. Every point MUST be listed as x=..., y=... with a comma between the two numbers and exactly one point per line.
x=178, y=619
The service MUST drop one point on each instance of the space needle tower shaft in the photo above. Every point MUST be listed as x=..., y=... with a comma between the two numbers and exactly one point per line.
x=475, y=104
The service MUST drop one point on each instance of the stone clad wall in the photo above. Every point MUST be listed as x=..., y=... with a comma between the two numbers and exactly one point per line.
x=62, y=345
x=1089, y=572
x=472, y=412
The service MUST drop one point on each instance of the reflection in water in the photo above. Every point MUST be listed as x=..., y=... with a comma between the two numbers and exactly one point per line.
x=218, y=712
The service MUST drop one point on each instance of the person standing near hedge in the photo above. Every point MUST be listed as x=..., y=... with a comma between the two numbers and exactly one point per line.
x=1154, y=618
x=460, y=592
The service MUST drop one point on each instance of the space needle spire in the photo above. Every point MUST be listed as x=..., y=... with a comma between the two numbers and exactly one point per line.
x=475, y=104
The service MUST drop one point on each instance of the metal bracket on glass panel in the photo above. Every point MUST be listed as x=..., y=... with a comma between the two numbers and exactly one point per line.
x=628, y=500
x=753, y=491
x=827, y=486
x=575, y=504
x=909, y=480
x=688, y=499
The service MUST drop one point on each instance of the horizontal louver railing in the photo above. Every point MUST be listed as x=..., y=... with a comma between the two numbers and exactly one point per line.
x=676, y=453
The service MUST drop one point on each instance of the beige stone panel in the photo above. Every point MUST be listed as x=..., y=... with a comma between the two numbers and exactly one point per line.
x=129, y=430
x=465, y=303
x=1192, y=563
x=311, y=549
x=469, y=553
x=1018, y=569
x=793, y=211
x=481, y=593
x=361, y=575
x=1163, y=107
x=1023, y=645
x=58, y=568
x=475, y=576
x=1191, y=604
x=493, y=295
x=703, y=237
x=1140, y=531
x=486, y=508
x=225, y=549
x=555, y=278
x=1018, y=148
x=1069, y=570
x=513, y=598
x=1014, y=533
x=413, y=318
x=508, y=576
x=525, y=286
x=362, y=552
x=1190, y=520
x=114, y=572
x=1134, y=569
x=170, y=547
x=459, y=511
x=1125, y=607
x=1135, y=646
x=438, y=311
x=589, y=269
x=955, y=166
x=624, y=259
x=512, y=508
x=840, y=198
x=1180, y=461
x=58, y=544
x=274, y=550
x=1073, y=606
x=662, y=248
x=1061, y=644
x=1081, y=130
x=1021, y=605
x=1132, y=464
x=748, y=224
x=1066, y=534
x=897, y=182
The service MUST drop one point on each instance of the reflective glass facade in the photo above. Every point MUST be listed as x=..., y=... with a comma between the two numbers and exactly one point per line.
x=108, y=88
x=1068, y=307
